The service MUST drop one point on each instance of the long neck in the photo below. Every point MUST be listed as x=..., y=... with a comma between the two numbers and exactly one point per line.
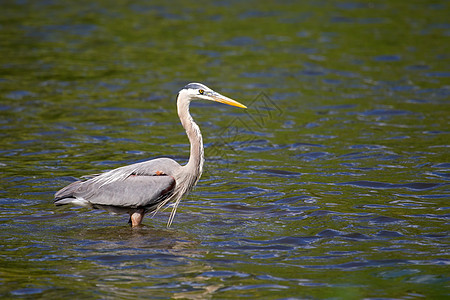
x=196, y=158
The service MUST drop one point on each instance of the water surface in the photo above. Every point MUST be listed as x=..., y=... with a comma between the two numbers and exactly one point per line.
x=333, y=184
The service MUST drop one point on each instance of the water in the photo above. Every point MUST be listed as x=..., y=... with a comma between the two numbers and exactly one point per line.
x=333, y=184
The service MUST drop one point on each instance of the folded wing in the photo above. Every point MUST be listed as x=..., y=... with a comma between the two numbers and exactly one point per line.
x=140, y=185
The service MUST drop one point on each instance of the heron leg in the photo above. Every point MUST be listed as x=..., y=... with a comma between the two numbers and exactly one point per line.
x=136, y=218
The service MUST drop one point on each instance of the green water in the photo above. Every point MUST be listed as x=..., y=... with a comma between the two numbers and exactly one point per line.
x=332, y=185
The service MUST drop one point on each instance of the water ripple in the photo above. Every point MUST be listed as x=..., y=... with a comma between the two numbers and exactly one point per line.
x=419, y=186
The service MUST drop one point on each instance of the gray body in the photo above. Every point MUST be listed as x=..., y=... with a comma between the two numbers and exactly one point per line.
x=145, y=187
x=139, y=186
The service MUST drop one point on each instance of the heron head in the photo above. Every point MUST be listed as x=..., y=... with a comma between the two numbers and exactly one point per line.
x=198, y=91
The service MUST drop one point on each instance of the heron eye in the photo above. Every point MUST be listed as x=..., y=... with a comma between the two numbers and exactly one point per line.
x=201, y=92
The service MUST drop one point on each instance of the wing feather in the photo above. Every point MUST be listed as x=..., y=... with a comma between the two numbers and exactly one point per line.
x=133, y=192
x=138, y=185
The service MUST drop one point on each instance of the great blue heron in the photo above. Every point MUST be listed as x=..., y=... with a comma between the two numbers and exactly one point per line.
x=145, y=187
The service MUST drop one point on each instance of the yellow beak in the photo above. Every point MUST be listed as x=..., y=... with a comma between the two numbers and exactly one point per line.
x=222, y=99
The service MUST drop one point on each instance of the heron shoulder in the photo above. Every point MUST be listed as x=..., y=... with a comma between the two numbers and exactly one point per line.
x=151, y=167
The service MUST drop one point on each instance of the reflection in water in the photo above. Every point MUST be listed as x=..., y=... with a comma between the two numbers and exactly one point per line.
x=149, y=259
x=144, y=237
